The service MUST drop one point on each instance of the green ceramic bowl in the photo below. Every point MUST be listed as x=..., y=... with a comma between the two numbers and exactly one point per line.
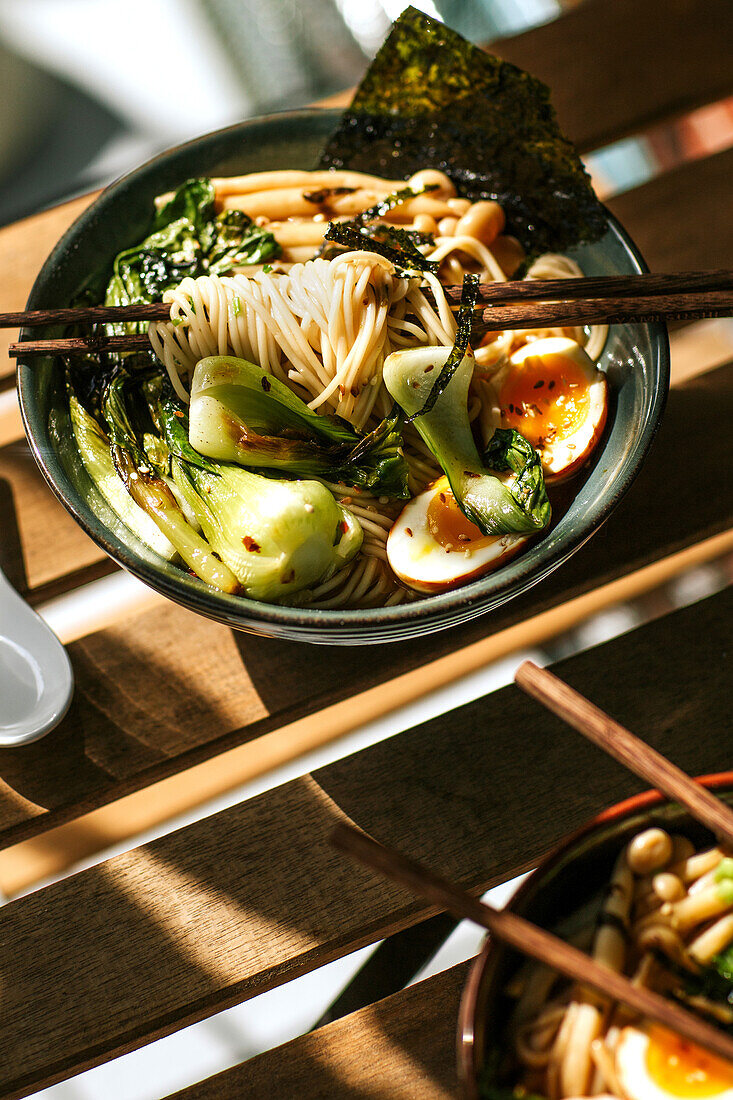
x=636, y=359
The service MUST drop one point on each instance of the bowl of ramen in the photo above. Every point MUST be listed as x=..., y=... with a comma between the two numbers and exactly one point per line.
x=647, y=892
x=279, y=457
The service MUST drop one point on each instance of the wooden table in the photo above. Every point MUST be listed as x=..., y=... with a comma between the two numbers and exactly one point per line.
x=170, y=709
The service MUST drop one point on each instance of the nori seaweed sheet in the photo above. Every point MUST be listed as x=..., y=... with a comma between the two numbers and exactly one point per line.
x=430, y=99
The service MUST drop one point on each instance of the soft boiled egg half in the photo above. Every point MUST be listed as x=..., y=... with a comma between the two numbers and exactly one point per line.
x=432, y=547
x=553, y=393
x=658, y=1065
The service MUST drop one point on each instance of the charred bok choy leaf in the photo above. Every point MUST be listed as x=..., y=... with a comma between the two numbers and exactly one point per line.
x=123, y=407
x=262, y=537
x=94, y=449
x=495, y=504
x=430, y=98
x=240, y=413
x=508, y=450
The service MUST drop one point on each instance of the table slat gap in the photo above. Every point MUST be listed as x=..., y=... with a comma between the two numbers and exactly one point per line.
x=404, y=1046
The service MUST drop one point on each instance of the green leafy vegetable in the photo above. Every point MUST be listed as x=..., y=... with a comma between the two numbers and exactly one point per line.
x=431, y=98
x=237, y=241
x=469, y=294
x=240, y=413
x=713, y=983
x=723, y=964
x=277, y=537
x=725, y=889
x=95, y=453
x=172, y=418
x=724, y=869
x=125, y=413
x=193, y=202
x=265, y=537
x=154, y=496
x=491, y=502
x=188, y=239
x=508, y=450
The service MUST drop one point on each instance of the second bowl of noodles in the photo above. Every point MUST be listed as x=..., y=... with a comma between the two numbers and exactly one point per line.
x=647, y=892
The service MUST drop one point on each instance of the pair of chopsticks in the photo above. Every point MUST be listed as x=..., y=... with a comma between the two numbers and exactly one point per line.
x=520, y=933
x=614, y=299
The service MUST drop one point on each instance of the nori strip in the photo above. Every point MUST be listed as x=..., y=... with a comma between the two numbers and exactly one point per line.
x=396, y=198
x=339, y=233
x=469, y=294
x=431, y=99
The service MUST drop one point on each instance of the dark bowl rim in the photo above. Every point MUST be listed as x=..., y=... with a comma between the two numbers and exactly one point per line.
x=399, y=622
x=466, y=1052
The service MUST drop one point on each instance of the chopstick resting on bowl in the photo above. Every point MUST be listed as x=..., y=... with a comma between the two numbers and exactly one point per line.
x=529, y=939
x=533, y=303
x=626, y=747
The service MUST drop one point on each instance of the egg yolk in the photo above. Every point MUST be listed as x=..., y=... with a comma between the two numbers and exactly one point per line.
x=448, y=525
x=545, y=398
x=682, y=1069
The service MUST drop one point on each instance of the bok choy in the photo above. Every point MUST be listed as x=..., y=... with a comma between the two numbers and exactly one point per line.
x=122, y=407
x=95, y=452
x=262, y=537
x=188, y=238
x=277, y=537
x=240, y=413
x=513, y=504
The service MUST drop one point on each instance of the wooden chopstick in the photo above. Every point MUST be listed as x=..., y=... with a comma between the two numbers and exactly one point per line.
x=38, y=318
x=605, y=311
x=626, y=747
x=528, y=938
x=617, y=299
x=73, y=345
x=663, y=308
x=600, y=286
x=607, y=286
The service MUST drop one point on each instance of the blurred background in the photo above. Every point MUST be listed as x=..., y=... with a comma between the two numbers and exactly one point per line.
x=91, y=88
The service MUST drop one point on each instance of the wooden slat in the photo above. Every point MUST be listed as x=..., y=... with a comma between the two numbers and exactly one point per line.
x=24, y=246
x=619, y=66
x=43, y=551
x=240, y=902
x=681, y=220
x=401, y=1048
x=140, y=714
x=53, y=851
